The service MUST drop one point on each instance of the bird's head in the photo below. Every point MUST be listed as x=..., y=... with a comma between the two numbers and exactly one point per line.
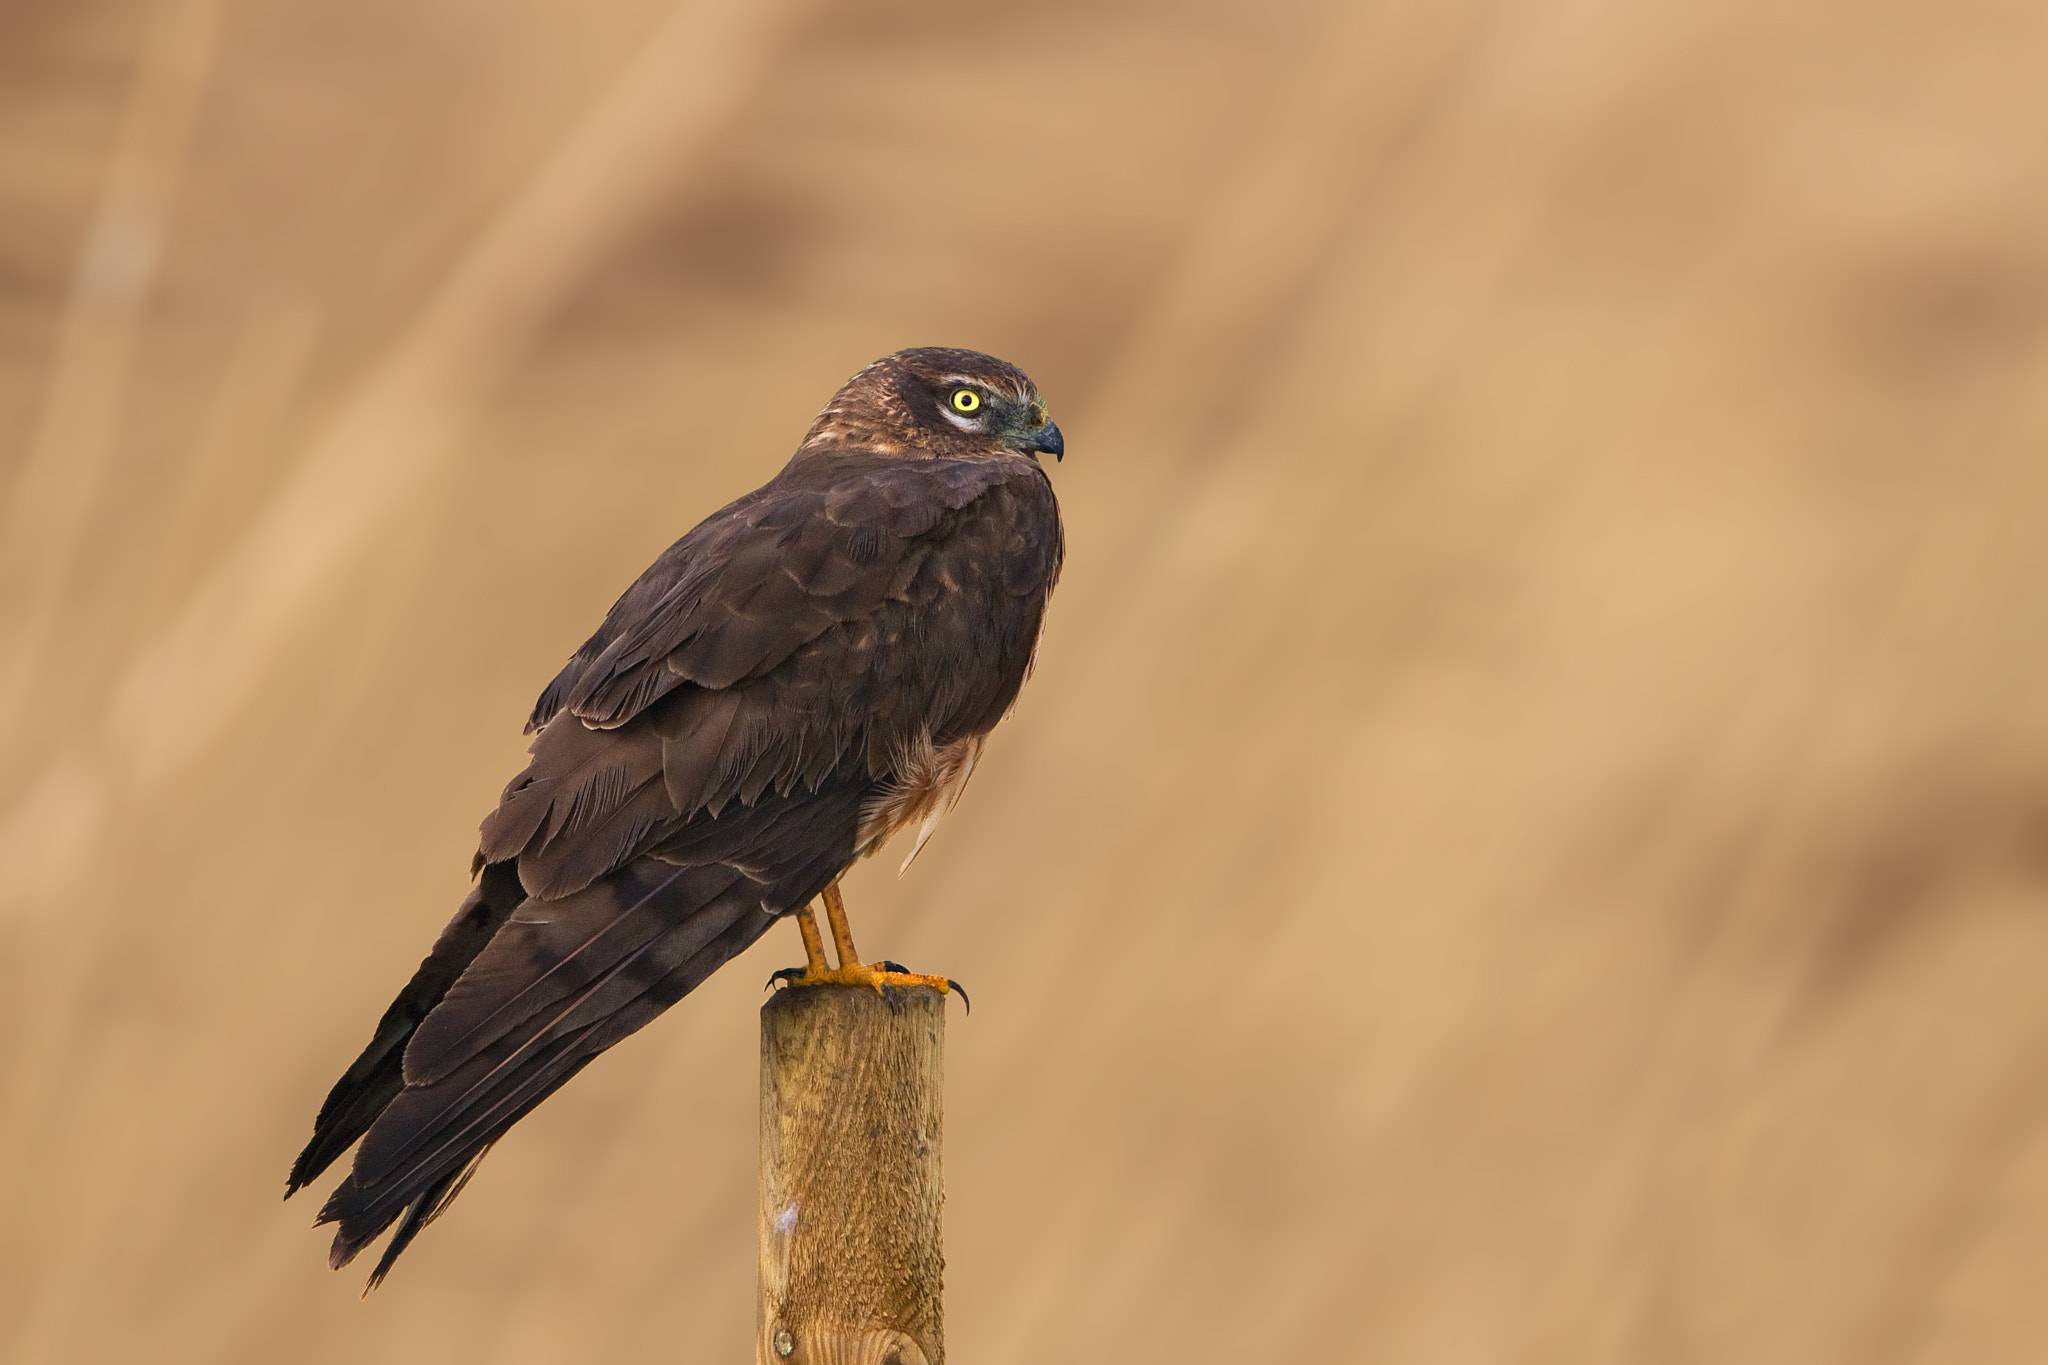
x=935, y=400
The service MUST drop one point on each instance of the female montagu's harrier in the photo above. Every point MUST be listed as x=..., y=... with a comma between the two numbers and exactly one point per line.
x=812, y=669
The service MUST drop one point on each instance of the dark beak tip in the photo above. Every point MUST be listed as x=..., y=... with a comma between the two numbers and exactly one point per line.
x=1050, y=440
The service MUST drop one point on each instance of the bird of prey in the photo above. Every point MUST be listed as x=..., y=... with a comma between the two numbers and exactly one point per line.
x=809, y=671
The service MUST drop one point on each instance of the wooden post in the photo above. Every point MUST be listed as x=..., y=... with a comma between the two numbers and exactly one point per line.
x=851, y=1183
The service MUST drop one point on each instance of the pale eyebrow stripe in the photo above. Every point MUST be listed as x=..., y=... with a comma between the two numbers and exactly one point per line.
x=1016, y=390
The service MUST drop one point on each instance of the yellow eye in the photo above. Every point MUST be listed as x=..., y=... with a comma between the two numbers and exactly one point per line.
x=965, y=400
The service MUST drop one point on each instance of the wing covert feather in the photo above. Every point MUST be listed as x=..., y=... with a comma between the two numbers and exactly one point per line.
x=825, y=632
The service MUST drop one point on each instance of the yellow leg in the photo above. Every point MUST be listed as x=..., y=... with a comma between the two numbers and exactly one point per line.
x=851, y=971
x=814, y=946
x=842, y=932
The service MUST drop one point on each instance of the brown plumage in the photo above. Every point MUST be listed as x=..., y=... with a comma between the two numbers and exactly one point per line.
x=810, y=669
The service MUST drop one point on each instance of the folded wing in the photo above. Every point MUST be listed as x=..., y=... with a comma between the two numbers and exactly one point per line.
x=699, y=768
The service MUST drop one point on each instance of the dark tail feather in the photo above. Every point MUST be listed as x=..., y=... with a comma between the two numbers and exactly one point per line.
x=422, y=1211
x=377, y=1076
x=429, y=1137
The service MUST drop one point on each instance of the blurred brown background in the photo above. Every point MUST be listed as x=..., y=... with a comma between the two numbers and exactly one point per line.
x=1529, y=839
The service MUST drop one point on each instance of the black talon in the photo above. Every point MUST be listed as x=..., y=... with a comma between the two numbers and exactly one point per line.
x=893, y=994
x=786, y=974
x=951, y=984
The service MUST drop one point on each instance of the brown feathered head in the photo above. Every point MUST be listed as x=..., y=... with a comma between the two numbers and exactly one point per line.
x=937, y=401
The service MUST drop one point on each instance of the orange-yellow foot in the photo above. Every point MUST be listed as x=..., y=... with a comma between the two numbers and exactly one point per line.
x=883, y=976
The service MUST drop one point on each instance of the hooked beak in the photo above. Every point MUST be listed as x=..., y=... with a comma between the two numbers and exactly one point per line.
x=1046, y=441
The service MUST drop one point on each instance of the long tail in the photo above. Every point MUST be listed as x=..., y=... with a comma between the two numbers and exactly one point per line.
x=376, y=1077
x=555, y=983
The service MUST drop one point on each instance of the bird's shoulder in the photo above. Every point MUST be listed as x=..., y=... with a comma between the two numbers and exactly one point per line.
x=827, y=540
x=824, y=620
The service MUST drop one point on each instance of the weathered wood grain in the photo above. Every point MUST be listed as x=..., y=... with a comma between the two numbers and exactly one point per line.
x=851, y=1178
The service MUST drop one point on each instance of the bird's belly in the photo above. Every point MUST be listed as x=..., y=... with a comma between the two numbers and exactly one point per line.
x=929, y=780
